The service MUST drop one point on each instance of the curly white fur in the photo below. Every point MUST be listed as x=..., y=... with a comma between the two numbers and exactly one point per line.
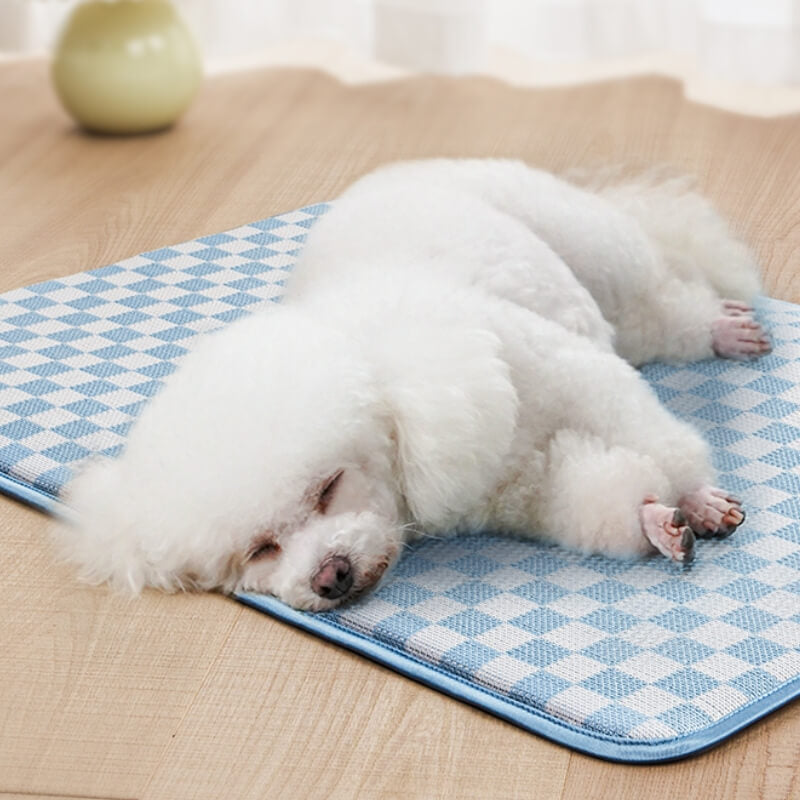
x=451, y=346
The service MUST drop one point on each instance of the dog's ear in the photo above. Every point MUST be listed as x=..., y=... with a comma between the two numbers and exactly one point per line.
x=97, y=531
x=94, y=531
x=454, y=409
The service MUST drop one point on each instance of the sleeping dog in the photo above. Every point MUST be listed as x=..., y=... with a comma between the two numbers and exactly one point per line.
x=456, y=351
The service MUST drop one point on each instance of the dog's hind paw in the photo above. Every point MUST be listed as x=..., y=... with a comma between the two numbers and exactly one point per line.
x=736, y=334
x=712, y=513
x=666, y=529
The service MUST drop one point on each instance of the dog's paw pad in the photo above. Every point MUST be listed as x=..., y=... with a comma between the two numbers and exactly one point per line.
x=712, y=513
x=736, y=334
x=667, y=530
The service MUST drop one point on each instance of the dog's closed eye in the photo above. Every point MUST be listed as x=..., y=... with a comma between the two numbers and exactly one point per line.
x=327, y=492
x=263, y=548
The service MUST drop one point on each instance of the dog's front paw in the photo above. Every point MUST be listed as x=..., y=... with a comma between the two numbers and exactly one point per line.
x=736, y=334
x=666, y=529
x=712, y=513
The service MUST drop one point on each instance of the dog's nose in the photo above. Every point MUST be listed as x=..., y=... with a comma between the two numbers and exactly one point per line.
x=334, y=578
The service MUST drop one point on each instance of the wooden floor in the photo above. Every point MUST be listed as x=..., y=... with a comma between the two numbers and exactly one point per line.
x=195, y=696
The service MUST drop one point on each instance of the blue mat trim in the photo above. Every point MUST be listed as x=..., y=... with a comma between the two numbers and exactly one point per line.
x=628, y=661
x=28, y=494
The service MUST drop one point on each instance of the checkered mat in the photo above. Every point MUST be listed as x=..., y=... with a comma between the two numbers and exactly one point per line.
x=629, y=661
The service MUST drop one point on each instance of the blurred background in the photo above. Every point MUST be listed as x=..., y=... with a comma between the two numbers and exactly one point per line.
x=741, y=54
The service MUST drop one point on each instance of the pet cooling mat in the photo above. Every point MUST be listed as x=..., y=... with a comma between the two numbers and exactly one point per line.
x=632, y=661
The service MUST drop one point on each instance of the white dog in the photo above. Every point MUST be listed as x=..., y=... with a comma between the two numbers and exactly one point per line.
x=454, y=353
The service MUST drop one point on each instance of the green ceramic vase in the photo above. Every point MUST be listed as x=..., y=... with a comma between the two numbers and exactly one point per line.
x=126, y=66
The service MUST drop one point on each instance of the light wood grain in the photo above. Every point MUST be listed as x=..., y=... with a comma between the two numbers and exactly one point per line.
x=36, y=796
x=194, y=696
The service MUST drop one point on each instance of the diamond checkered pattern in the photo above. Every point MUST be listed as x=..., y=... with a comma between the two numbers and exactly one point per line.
x=638, y=651
x=79, y=356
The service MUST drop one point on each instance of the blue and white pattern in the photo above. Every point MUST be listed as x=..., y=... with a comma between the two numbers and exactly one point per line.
x=641, y=660
x=79, y=356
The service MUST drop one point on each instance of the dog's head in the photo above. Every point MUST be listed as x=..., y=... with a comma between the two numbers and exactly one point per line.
x=279, y=459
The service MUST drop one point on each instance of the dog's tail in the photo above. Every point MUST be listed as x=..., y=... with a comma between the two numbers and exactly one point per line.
x=692, y=236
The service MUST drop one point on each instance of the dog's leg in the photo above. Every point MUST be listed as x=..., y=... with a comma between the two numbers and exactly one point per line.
x=684, y=321
x=697, y=248
x=614, y=450
x=602, y=499
x=711, y=513
x=666, y=529
x=736, y=334
x=613, y=481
